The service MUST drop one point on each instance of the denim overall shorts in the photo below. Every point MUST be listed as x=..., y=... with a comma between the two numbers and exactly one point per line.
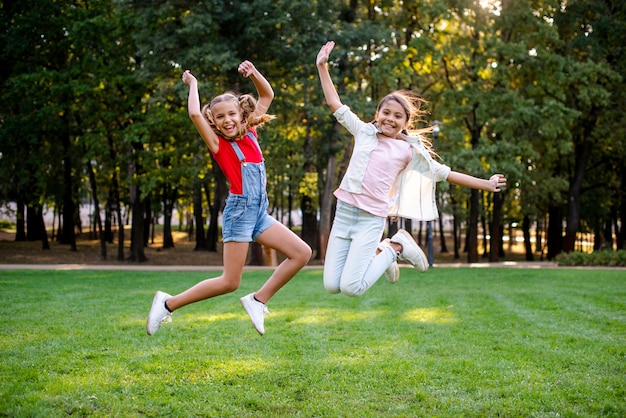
x=245, y=216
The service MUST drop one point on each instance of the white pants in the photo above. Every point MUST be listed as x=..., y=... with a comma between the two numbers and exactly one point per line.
x=351, y=265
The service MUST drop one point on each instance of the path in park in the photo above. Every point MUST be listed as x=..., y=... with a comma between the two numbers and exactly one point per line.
x=139, y=267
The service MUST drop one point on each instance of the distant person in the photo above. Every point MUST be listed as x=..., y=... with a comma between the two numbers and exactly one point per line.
x=228, y=127
x=390, y=174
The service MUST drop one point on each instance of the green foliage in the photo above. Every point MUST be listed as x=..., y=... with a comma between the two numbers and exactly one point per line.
x=4, y=224
x=451, y=342
x=529, y=89
x=605, y=258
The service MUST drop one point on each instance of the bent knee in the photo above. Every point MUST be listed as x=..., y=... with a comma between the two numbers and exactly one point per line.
x=332, y=289
x=352, y=291
x=302, y=254
x=229, y=285
x=307, y=252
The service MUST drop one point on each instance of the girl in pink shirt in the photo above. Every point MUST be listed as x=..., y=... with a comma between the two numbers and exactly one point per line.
x=355, y=257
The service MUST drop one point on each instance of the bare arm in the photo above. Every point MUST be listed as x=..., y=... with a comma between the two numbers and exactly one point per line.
x=494, y=184
x=330, y=93
x=195, y=113
x=263, y=87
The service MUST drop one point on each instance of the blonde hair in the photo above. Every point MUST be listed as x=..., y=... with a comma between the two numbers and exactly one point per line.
x=411, y=103
x=247, y=105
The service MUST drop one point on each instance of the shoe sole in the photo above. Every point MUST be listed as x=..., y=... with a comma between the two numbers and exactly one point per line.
x=422, y=265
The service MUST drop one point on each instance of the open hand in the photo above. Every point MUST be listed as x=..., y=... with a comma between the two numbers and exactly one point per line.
x=322, y=56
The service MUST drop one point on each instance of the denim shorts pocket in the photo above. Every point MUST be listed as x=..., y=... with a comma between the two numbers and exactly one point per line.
x=235, y=210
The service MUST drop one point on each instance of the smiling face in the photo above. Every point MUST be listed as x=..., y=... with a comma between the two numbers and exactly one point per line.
x=391, y=118
x=227, y=118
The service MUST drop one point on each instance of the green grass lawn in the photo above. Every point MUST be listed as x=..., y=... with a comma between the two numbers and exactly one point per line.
x=448, y=343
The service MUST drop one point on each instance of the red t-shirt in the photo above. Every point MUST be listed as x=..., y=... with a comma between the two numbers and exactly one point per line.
x=227, y=159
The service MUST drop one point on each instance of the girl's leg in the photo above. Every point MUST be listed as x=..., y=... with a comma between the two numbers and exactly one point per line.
x=235, y=254
x=163, y=304
x=298, y=253
x=335, y=260
x=339, y=242
x=362, y=267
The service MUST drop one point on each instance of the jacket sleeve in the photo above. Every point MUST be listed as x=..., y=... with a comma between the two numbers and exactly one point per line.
x=349, y=120
x=441, y=171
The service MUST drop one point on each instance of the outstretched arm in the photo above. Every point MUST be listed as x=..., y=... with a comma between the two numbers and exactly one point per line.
x=330, y=93
x=263, y=87
x=195, y=113
x=494, y=184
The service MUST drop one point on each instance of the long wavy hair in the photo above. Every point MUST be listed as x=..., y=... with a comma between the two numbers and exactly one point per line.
x=411, y=103
x=247, y=105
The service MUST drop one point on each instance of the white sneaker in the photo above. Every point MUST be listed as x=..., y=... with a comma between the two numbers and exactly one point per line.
x=256, y=311
x=392, y=274
x=411, y=252
x=158, y=314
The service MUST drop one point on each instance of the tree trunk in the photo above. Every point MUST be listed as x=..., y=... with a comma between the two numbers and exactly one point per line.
x=620, y=222
x=219, y=200
x=68, y=235
x=326, y=207
x=455, y=228
x=33, y=225
x=496, y=228
x=169, y=197
x=472, y=234
x=147, y=220
x=442, y=236
x=582, y=154
x=201, y=241
x=137, y=235
x=116, y=202
x=555, y=231
x=120, y=224
x=310, y=233
x=539, y=235
x=309, y=220
x=526, y=232
x=96, y=212
x=20, y=225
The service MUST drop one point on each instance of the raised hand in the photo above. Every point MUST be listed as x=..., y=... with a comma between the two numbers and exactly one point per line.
x=322, y=56
x=246, y=68
x=188, y=78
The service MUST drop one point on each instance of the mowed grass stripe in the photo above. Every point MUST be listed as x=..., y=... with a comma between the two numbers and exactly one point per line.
x=450, y=342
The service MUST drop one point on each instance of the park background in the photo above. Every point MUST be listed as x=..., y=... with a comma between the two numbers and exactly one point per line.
x=93, y=121
x=93, y=117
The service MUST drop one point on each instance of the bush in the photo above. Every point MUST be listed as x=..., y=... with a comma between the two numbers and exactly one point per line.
x=4, y=224
x=597, y=258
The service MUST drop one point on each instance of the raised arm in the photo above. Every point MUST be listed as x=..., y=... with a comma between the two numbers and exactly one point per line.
x=195, y=113
x=330, y=93
x=494, y=184
x=263, y=87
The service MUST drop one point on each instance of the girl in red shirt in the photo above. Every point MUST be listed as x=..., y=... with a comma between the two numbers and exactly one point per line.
x=227, y=126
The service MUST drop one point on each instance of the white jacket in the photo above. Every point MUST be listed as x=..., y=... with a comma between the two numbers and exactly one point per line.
x=413, y=193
